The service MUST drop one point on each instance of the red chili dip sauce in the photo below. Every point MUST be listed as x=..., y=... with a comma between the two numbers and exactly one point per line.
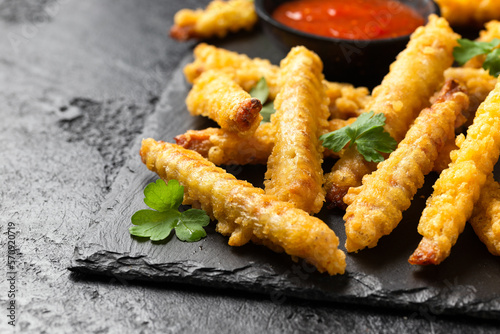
x=351, y=19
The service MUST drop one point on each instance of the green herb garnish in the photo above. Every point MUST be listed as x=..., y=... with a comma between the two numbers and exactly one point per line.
x=261, y=91
x=157, y=224
x=366, y=133
x=469, y=49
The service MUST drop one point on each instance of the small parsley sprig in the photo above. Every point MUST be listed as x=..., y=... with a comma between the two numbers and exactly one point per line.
x=261, y=91
x=366, y=133
x=469, y=49
x=157, y=224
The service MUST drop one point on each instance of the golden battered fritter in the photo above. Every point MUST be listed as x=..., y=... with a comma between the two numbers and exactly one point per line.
x=486, y=216
x=216, y=95
x=245, y=71
x=458, y=187
x=376, y=208
x=225, y=148
x=405, y=91
x=237, y=203
x=219, y=18
x=294, y=173
x=479, y=84
x=469, y=12
x=345, y=100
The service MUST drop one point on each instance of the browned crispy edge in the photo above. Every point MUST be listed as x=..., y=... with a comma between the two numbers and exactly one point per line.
x=183, y=33
x=247, y=113
x=426, y=253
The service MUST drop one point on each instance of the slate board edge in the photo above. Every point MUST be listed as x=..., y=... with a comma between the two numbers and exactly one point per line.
x=110, y=264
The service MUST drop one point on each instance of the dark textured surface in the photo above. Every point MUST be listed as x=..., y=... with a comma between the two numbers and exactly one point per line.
x=55, y=180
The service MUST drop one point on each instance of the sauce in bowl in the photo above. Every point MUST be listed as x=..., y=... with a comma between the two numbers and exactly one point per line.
x=351, y=19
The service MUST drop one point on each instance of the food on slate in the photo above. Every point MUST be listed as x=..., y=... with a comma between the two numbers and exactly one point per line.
x=308, y=107
x=405, y=90
x=294, y=173
x=376, y=207
x=218, y=19
x=243, y=211
x=216, y=95
x=459, y=186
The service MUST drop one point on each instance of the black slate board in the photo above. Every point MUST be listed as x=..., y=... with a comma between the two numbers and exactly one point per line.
x=465, y=284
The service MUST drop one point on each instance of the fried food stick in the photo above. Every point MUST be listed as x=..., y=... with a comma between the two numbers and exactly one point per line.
x=217, y=96
x=404, y=92
x=226, y=148
x=478, y=85
x=486, y=216
x=236, y=202
x=345, y=100
x=246, y=71
x=466, y=12
x=458, y=187
x=294, y=173
x=376, y=207
x=219, y=18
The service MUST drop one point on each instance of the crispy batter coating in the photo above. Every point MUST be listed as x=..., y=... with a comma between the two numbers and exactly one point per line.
x=443, y=159
x=219, y=18
x=217, y=96
x=345, y=100
x=246, y=71
x=467, y=12
x=479, y=84
x=294, y=173
x=458, y=187
x=376, y=207
x=236, y=202
x=404, y=92
x=486, y=216
x=227, y=148
x=491, y=32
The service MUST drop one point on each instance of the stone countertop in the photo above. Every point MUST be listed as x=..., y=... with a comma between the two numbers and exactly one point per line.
x=95, y=62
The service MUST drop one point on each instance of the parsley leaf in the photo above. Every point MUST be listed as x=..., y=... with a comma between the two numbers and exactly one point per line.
x=261, y=91
x=266, y=112
x=158, y=225
x=367, y=133
x=492, y=63
x=190, y=225
x=161, y=196
x=469, y=49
